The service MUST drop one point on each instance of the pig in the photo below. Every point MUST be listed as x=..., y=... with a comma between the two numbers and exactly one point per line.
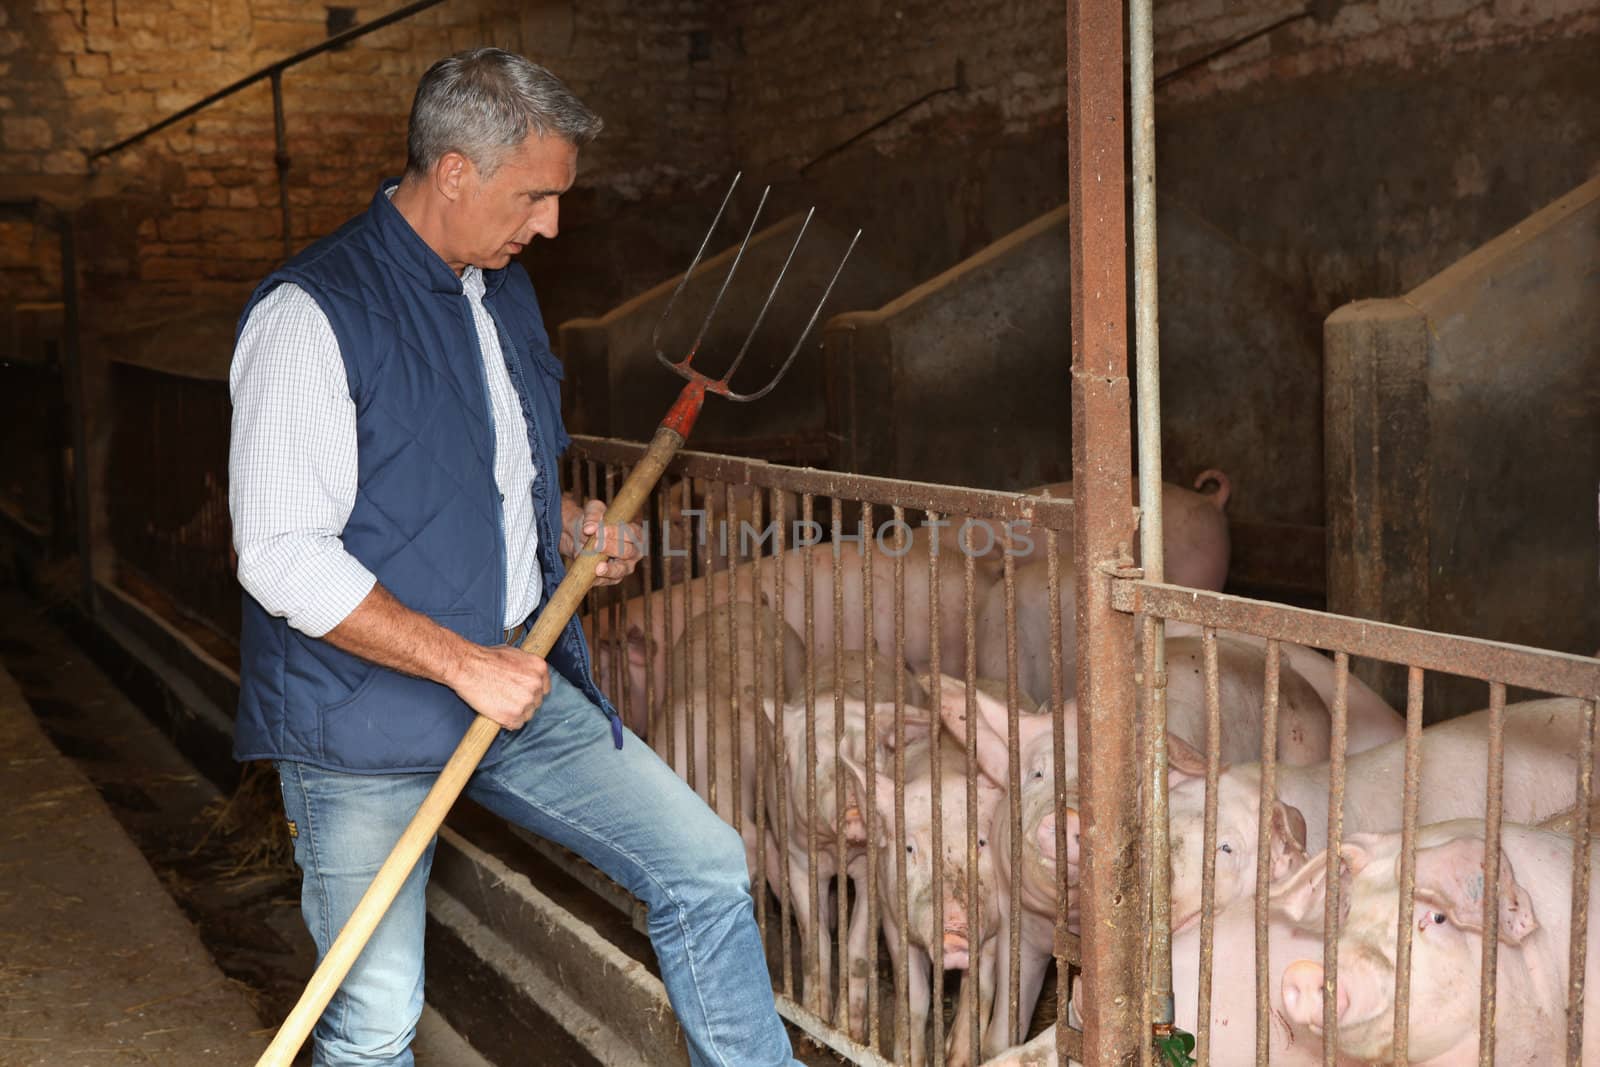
x=791, y=825
x=1194, y=528
x=850, y=678
x=1037, y=880
x=1369, y=719
x=1233, y=992
x=930, y=926
x=1541, y=744
x=1533, y=925
x=629, y=654
x=740, y=621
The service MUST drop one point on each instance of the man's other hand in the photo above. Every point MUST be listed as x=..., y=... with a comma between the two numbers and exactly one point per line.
x=620, y=546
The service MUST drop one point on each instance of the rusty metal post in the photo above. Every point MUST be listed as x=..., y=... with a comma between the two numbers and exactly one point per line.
x=1113, y=921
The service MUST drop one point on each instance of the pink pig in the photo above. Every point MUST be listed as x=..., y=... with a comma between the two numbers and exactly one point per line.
x=1448, y=927
x=1541, y=745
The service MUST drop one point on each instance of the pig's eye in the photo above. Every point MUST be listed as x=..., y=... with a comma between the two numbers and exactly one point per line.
x=911, y=850
x=1438, y=918
x=1038, y=775
x=1225, y=847
x=983, y=842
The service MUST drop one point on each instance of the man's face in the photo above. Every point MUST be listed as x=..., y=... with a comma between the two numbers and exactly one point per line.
x=498, y=216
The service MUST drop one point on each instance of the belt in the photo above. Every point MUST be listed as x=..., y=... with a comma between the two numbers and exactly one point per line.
x=515, y=635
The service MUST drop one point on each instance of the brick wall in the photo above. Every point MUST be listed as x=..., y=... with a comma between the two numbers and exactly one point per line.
x=190, y=218
x=202, y=197
x=831, y=70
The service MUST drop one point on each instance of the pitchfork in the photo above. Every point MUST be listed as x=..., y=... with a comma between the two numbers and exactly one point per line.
x=669, y=437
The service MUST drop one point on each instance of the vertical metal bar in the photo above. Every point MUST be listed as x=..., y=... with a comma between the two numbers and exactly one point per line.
x=1058, y=741
x=1578, y=949
x=936, y=799
x=779, y=737
x=759, y=646
x=1333, y=911
x=1269, y=796
x=1112, y=920
x=842, y=1014
x=1156, y=827
x=902, y=1014
x=280, y=157
x=1493, y=814
x=1141, y=90
x=78, y=410
x=1013, y=1006
x=1208, y=848
x=813, y=949
x=707, y=578
x=874, y=1023
x=621, y=676
x=1408, y=864
x=735, y=738
x=670, y=576
x=689, y=762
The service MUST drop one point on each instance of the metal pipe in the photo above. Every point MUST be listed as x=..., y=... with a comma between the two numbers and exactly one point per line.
x=1411, y=797
x=1578, y=948
x=1013, y=812
x=1141, y=89
x=902, y=1012
x=1112, y=917
x=1333, y=912
x=1269, y=796
x=842, y=1015
x=870, y=802
x=813, y=947
x=1492, y=817
x=1208, y=848
x=779, y=512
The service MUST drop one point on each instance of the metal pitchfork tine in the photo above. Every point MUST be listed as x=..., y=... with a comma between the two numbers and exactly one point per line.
x=552, y=622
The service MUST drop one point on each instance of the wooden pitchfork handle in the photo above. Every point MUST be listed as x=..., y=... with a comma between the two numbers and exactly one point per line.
x=436, y=805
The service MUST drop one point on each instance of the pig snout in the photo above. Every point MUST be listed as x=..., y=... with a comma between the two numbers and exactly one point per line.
x=1046, y=836
x=1301, y=990
x=957, y=938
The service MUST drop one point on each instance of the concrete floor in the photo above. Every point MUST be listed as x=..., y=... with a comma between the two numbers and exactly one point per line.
x=99, y=963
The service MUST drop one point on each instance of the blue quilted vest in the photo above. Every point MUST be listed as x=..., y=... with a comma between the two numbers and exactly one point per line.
x=427, y=518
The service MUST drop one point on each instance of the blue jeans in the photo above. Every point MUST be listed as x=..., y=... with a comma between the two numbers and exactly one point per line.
x=626, y=812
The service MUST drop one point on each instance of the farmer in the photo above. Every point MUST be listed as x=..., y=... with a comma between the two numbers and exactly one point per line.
x=396, y=428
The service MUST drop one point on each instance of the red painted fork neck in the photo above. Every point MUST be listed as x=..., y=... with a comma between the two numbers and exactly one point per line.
x=686, y=409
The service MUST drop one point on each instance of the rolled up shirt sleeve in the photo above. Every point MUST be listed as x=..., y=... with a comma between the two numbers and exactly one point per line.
x=292, y=465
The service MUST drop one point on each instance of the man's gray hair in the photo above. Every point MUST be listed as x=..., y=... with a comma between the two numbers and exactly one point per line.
x=485, y=102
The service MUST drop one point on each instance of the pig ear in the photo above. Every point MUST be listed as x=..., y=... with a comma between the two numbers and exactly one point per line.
x=855, y=787
x=1300, y=897
x=1451, y=875
x=919, y=724
x=1288, y=841
x=1184, y=759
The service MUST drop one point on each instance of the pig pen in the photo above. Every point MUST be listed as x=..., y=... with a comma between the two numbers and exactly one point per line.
x=1459, y=856
x=839, y=563
x=956, y=381
x=1462, y=444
